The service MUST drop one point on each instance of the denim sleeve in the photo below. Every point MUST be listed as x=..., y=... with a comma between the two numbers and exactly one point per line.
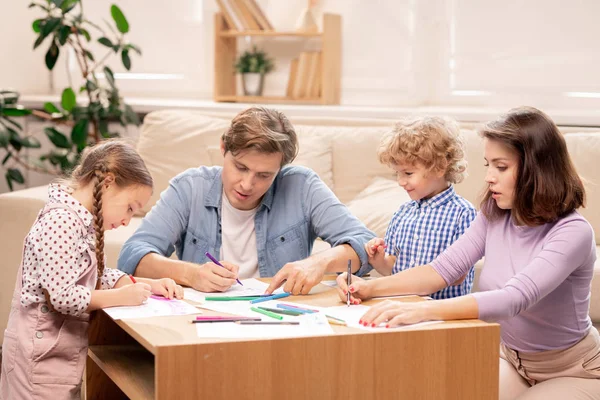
x=333, y=222
x=161, y=227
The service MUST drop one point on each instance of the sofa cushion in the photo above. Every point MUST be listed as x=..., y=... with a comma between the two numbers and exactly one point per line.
x=172, y=141
x=376, y=204
x=584, y=149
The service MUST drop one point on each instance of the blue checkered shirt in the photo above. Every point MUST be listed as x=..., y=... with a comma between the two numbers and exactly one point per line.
x=422, y=229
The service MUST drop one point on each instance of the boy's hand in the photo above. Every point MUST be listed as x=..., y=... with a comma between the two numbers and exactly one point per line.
x=375, y=249
x=359, y=289
x=166, y=287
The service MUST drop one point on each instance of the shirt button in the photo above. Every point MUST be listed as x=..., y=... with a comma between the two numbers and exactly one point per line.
x=45, y=309
x=39, y=335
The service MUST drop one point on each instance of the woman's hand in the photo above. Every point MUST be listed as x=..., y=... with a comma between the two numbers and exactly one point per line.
x=395, y=313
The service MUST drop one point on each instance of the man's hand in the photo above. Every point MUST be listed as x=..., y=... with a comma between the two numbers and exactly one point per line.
x=210, y=277
x=299, y=276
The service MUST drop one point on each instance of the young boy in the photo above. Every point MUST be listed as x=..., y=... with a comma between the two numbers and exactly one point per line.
x=428, y=158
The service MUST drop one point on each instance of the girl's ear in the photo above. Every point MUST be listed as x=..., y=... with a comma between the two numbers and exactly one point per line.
x=109, y=179
x=222, y=146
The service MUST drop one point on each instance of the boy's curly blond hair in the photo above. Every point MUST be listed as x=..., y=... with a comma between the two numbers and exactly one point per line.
x=434, y=142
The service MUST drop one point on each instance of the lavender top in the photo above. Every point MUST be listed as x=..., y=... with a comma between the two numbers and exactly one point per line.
x=535, y=280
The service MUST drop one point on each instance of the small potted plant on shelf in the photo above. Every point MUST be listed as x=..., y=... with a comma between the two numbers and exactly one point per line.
x=253, y=65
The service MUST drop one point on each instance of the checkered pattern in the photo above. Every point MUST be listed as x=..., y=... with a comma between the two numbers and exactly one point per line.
x=422, y=229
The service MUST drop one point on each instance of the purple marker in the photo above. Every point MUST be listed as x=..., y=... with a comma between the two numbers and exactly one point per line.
x=207, y=254
x=156, y=297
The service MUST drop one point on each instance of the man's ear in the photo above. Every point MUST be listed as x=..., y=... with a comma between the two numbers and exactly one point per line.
x=222, y=146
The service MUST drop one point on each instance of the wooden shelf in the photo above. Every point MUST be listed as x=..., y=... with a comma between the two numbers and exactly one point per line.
x=230, y=33
x=116, y=362
x=225, y=77
x=267, y=99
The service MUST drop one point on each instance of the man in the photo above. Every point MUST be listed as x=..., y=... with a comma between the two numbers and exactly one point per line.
x=256, y=213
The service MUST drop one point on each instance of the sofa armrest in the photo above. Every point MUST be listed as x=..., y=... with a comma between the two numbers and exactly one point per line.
x=18, y=210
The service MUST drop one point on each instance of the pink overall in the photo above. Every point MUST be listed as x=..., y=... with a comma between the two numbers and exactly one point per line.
x=44, y=352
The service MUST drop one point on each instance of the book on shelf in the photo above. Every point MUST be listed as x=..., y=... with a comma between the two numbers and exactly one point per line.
x=244, y=15
x=305, y=76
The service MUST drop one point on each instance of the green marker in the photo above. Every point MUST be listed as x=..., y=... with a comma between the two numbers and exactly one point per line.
x=267, y=313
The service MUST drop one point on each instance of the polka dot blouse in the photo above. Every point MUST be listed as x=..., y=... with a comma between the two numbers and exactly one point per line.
x=56, y=255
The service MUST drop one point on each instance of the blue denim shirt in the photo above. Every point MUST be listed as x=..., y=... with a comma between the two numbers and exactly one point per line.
x=297, y=208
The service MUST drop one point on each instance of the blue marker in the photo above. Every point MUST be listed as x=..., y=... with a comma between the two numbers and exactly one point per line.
x=272, y=297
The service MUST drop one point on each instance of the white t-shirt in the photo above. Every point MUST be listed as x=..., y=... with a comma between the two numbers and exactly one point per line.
x=239, y=239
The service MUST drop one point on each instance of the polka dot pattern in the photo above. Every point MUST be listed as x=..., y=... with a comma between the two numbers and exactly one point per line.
x=59, y=250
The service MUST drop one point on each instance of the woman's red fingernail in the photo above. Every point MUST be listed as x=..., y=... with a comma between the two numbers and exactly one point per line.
x=360, y=322
x=345, y=292
x=387, y=326
x=373, y=325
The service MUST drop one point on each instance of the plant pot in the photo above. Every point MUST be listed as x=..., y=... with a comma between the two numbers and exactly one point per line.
x=253, y=83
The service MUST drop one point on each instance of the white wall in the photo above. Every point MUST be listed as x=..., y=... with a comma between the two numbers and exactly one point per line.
x=395, y=53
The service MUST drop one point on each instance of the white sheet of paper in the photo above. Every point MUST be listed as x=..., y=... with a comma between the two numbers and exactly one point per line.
x=310, y=325
x=354, y=313
x=251, y=287
x=152, y=308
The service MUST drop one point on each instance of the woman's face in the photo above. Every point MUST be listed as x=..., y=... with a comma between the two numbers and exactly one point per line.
x=502, y=164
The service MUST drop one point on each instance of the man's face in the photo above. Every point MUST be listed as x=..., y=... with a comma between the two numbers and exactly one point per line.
x=248, y=175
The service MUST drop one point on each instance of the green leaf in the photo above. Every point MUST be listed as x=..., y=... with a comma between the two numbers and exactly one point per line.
x=57, y=3
x=16, y=175
x=57, y=138
x=51, y=108
x=31, y=143
x=106, y=42
x=52, y=56
x=120, y=20
x=68, y=100
x=110, y=77
x=103, y=127
x=8, y=181
x=131, y=116
x=68, y=5
x=36, y=25
x=15, y=124
x=90, y=86
x=89, y=55
x=134, y=48
x=38, y=41
x=16, y=111
x=50, y=26
x=63, y=34
x=4, y=139
x=6, y=158
x=85, y=34
x=126, y=60
x=79, y=133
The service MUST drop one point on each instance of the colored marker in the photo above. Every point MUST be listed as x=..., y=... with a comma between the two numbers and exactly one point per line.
x=267, y=313
x=281, y=311
x=207, y=254
x=271, y=297
x=232, y=298
x=267, y=322
x=294, y=308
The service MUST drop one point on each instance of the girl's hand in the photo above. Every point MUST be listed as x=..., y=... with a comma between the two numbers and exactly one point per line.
x=395, y=313
x=359, y=289
x=134, y=294
x=165, y=287
x=375, y=249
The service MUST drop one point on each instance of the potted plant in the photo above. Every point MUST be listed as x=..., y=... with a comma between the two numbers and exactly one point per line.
x=253, y=65
x=64, y=28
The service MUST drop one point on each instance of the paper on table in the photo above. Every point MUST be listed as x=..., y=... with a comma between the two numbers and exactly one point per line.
x=152, y=308
x=353, y=314
x=310, y=325
x=252, y=287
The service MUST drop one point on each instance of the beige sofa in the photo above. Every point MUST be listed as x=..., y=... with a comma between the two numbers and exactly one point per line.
x=342, y=152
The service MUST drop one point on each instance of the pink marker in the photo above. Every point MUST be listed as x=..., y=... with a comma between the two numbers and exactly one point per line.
x=157, y=297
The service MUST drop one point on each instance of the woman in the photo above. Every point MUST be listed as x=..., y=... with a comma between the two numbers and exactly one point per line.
x=539, y=260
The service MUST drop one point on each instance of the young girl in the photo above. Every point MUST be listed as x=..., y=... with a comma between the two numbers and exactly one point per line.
x=62, y=277
x=539, y=260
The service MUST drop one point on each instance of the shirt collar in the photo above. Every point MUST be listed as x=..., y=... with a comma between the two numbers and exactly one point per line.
x=59, y=193
x=437, y=200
